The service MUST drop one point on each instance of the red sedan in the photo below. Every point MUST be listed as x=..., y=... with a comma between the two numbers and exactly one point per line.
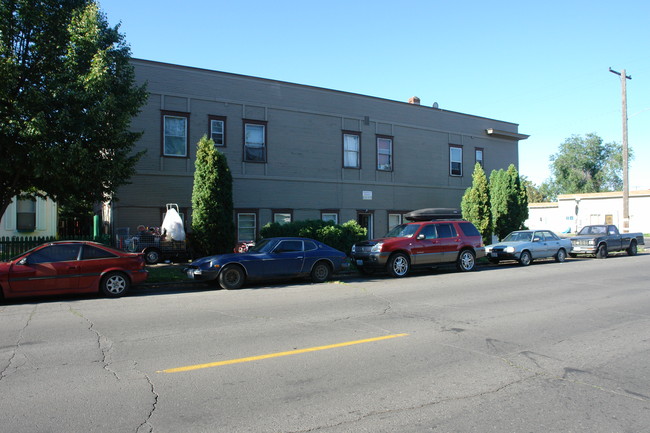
x=64, y=267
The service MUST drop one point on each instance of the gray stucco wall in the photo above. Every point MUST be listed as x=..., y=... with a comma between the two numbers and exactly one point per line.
x=304, y=168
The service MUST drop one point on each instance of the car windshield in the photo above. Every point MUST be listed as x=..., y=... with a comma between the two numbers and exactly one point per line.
x=518, y=237
x=403, y=231
x=263, y=246
x=593, y=230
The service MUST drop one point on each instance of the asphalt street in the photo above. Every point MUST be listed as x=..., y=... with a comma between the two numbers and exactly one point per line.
x=546, y=348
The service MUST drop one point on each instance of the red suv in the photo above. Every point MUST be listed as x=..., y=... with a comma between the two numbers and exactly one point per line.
x=421, y=244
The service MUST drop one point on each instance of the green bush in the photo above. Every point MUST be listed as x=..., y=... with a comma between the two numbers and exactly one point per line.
x=339, y=236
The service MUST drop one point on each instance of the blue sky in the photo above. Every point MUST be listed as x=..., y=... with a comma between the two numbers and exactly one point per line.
x=542, y=65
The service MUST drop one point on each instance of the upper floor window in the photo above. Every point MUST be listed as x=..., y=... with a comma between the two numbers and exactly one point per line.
x=455, y=161
x=218, y=130
x=384, y=153
x=175, y=134
x=254, y=141
x=351, y=150
x=26, y=215
x=478, y=153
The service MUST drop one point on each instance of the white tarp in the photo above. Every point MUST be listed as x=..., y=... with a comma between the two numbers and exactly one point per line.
x=172, y=225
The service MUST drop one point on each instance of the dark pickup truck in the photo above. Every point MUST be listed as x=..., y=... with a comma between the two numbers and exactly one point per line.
x=604, y=239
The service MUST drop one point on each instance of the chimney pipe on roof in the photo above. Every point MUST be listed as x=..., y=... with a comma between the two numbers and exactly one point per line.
x=414, y=100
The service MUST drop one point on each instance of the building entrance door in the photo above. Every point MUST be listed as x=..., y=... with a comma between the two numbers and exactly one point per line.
x=365, y=220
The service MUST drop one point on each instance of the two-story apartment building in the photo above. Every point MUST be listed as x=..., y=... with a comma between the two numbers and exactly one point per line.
x=300, y=152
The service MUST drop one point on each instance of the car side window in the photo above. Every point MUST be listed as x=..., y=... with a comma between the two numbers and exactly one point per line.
x=55, y=253
x=538, y=237
x=428, y=231
x=90, y=252
x=446, y=231
x=288, y=246
x=550, y=236
x=310, y=246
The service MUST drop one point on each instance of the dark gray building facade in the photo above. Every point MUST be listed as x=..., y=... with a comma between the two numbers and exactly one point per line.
x=299, y=152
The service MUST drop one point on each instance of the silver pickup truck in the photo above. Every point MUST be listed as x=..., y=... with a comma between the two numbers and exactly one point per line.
x=604, y=239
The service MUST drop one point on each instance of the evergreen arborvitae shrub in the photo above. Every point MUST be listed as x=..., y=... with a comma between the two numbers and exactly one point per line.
x=475, y=204
x=213, y=229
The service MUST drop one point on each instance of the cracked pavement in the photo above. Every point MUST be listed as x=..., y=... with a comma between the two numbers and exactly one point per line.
x=503, y=349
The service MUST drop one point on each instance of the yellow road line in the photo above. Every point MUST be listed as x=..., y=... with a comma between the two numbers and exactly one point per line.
x=276, y=355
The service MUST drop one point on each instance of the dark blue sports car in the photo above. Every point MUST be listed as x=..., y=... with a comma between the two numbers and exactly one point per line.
x=270, y=258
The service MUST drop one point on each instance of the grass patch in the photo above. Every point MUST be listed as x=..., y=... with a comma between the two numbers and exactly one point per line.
x=164, y=274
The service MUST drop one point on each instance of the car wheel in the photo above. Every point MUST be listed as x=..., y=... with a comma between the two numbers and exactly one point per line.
x=398, y=265
x=601, y=252
x=151, y=256
x=115, y=284
x=320, y=272
x=525, y=259
x=560, y=256
x=231, y=277
x=632, y=249
x=466, y=261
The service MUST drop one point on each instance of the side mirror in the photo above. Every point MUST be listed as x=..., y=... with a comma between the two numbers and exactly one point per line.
x=536, y=239
x=23, y=261
x=420, y=237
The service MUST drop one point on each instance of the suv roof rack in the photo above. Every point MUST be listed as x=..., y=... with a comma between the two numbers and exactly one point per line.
x=434, y=214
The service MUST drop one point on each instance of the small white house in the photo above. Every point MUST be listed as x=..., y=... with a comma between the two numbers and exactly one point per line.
x=573, y=211
x=30, y=217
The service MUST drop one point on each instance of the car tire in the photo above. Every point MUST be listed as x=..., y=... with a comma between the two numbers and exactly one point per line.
x=601, y=252
x=466, y=261
x=231, y=277
x=398, y=265
x=115, y=284
x=320, y=272
x=560, y=256
x=151, y=256
x=525, y=258
x=632, y=249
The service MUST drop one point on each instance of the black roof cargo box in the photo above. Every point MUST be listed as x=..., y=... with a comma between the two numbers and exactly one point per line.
x=431, y=214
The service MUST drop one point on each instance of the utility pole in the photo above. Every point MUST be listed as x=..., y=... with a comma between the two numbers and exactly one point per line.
x=626, y=185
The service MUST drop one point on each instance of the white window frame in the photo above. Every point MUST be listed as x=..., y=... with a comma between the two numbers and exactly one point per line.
x=455, y=159
x=399, y=220
x=330, y=216
x=479, y=151
x=254, y=145
x=351, y=150
x=383, y=152
x=281, y=217
x=183, y=136
x=246, y=227
x=214, y=121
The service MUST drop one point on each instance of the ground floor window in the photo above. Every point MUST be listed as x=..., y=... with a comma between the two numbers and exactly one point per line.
x=246, y=226
x=328, y=215
x=282, y=217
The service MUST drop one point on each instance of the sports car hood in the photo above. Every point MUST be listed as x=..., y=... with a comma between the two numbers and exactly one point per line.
x=222, y=258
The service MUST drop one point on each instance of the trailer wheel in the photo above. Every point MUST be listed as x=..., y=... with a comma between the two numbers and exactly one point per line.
x=151, y=256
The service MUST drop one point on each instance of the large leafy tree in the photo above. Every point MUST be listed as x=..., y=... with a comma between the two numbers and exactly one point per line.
x=475, y=204
x=586, y=164
x=67, y=97
x=213, y=230
x=508, y=200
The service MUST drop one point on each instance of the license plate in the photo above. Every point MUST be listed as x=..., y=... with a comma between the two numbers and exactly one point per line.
x=359, y=262
x=577, y=248
x=494, y=255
